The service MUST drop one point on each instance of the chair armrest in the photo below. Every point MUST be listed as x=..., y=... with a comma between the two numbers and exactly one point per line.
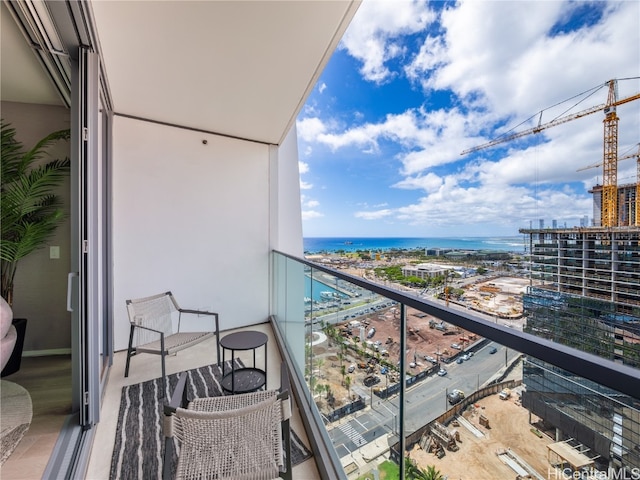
x=196, y=312
x=147, y=328
x=178, y=398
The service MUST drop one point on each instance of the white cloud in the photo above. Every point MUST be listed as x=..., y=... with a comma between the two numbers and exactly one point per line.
x=309, y=207
x=452, y=207
x=305, y=185
x=311, y=214
x=500, y=63
x=373, y=36
x=322, y=87
x=303, y=167
x=429, y=183
x=374, y=215
x=309, y=128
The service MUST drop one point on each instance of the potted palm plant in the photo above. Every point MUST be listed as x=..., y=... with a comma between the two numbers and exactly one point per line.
x=30, y=208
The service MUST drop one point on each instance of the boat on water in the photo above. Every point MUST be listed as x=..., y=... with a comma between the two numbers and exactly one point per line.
x=329, y=295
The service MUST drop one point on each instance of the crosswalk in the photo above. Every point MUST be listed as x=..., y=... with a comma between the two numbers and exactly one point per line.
x=353, y=434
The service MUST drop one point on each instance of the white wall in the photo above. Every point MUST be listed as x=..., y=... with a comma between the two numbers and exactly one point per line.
x=190, y=218
x=286, y=216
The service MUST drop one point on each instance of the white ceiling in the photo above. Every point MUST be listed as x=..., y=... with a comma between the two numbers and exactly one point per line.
x=22, y=78
x=239, y=68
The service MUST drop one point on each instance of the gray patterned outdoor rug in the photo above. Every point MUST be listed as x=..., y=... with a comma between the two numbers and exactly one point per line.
x=139, y=442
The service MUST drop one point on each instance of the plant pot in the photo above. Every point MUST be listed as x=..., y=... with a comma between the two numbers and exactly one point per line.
x=13, y=365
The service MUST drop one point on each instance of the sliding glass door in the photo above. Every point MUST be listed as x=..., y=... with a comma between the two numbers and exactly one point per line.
x=85, y=297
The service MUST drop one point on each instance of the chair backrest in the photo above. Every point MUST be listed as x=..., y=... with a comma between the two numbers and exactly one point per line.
x=246, y=439
x=154, y=312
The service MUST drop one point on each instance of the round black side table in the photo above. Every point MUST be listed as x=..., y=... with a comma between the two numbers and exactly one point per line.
x=245, y=379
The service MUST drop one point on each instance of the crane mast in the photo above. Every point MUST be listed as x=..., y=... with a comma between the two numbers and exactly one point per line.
x=610, y=160
x=638, y=188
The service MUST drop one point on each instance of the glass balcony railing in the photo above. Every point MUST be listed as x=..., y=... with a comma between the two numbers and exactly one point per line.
x=386, y=375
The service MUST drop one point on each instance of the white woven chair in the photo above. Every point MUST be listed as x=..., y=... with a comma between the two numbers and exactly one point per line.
x=237, y=437
x=152, y=329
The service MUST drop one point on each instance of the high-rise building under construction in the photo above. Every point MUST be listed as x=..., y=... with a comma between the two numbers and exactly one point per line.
x=585, y=293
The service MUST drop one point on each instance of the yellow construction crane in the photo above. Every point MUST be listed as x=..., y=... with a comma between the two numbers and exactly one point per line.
x=620, y=159
x=610, y=157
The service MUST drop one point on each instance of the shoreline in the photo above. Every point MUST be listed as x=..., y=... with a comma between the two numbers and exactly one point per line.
x=439, y=245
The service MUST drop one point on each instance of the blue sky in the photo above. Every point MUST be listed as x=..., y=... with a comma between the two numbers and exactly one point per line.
x=414, y=83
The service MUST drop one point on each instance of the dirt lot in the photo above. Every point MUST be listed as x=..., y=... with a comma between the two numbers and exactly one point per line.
x=423, y=340
x=427, y=336
x=477, y=458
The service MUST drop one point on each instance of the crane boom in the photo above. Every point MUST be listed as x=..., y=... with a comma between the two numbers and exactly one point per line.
x=609, y=214
x=553, y=123
x=599, y=164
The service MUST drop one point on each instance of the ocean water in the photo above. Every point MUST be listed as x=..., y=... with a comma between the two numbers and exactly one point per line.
x=313, y=289
x=514, y=244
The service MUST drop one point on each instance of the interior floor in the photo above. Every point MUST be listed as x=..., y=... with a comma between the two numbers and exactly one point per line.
x=48, y=381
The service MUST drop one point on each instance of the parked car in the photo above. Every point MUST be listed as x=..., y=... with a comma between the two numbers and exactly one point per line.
x=493, y=350
x=455, y=396
x=456, y=346
x=459, y=360
x=351, y=368
x=371, y=380
x=465, y=357
x=442, y=372
x=430, y=359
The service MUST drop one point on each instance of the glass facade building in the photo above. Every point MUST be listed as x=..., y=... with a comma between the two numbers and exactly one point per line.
x=584, y=294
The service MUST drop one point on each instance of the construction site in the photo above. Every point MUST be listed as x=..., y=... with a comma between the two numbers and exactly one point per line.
x=587, y=296
x=493, y=438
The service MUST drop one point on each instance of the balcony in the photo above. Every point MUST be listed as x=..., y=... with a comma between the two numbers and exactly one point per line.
x=362, y=424
x=351, y=341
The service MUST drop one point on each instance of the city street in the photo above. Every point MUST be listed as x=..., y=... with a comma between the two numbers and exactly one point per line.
x=426, y=400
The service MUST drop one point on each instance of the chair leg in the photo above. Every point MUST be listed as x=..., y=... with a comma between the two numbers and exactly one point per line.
x=166, y=459
x=164, y=380
x=286, y=438
x=129, y=354
x=218, y=340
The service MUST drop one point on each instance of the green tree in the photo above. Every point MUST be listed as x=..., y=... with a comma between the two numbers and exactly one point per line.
x=319, y=365
x=414, y=472
x=347, y=384
x=432, y=473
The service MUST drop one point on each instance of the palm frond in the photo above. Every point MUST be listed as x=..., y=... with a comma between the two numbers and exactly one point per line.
x=29, y=205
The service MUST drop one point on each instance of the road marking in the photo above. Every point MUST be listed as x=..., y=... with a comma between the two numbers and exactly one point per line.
x=353, y=434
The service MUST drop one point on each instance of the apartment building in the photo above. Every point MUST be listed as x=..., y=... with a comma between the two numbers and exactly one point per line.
x=588, y=297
